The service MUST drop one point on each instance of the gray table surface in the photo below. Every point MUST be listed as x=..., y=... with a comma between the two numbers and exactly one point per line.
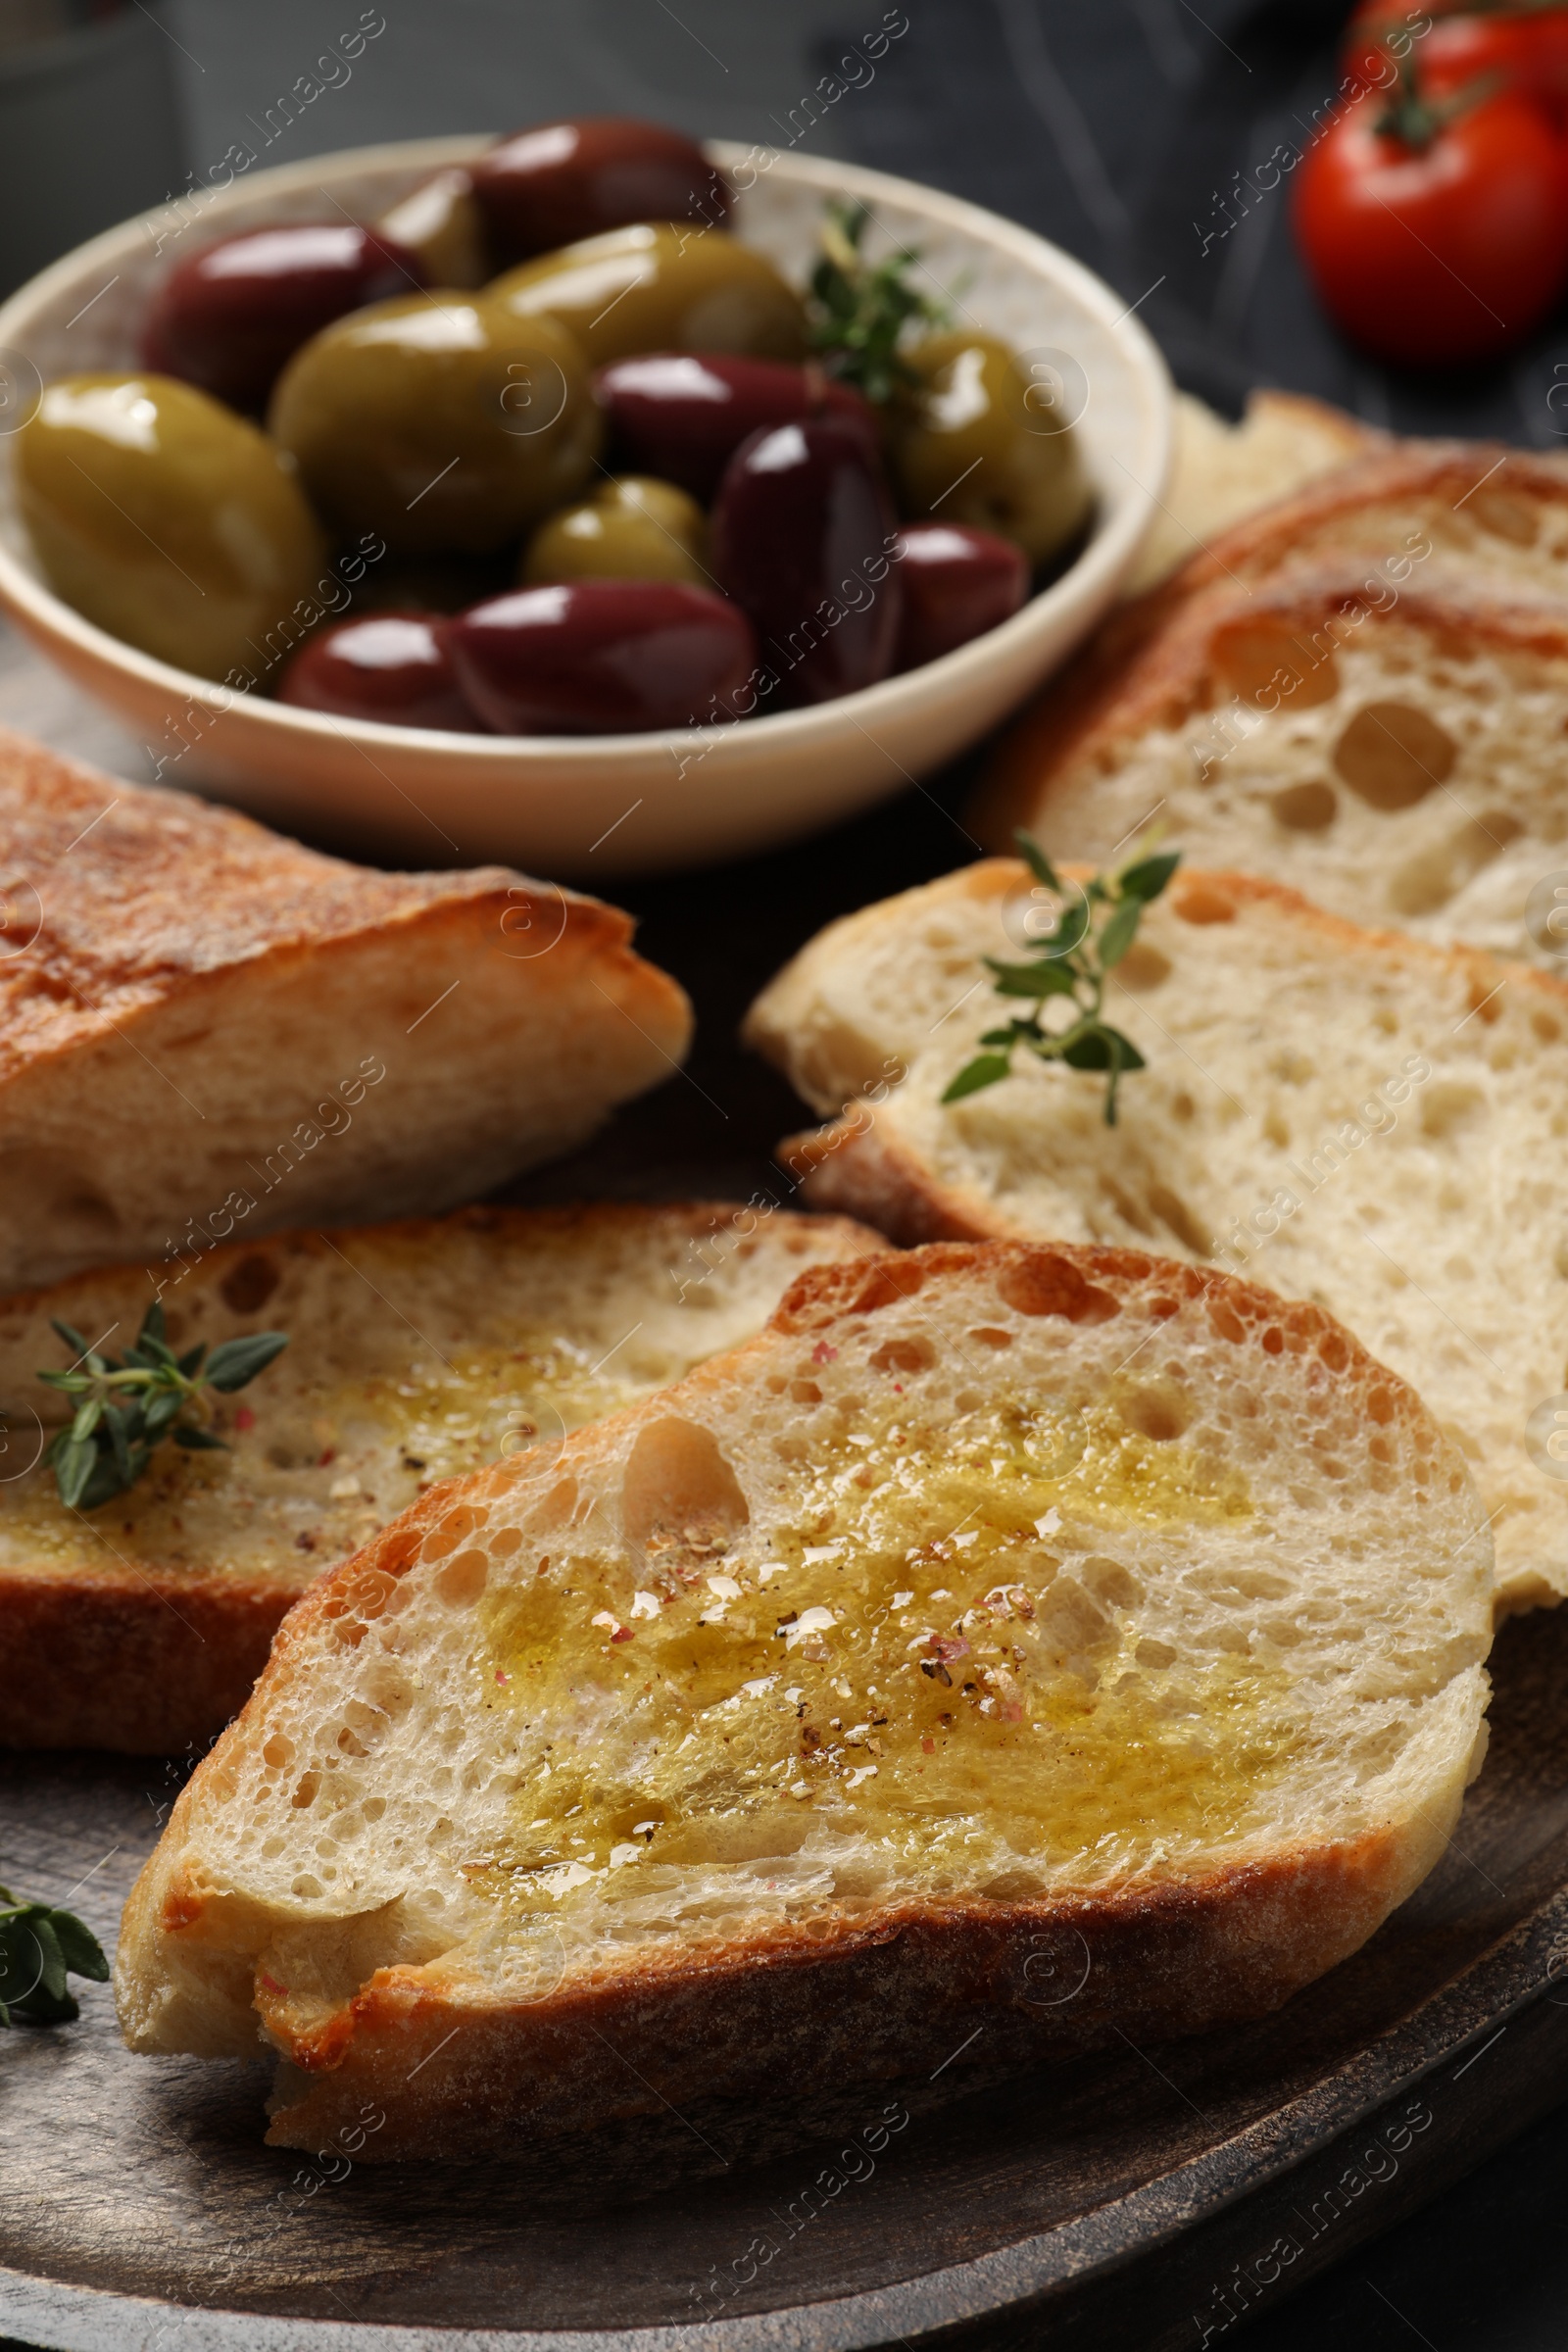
x=1064, y=113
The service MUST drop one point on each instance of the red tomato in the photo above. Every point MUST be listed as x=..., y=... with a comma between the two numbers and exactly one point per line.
x=1446, y=252
x=1527, y=49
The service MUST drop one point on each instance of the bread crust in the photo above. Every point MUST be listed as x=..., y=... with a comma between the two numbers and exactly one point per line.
x=154, y=948
x=150, y=1658
x=142, y=897
x=851, y=1166
x=920, y=1988
x=457, y=2069
x=1146, y=665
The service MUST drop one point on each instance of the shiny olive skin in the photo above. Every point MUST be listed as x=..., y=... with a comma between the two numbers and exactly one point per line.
x=440, y=223
x=802, y=536
x=683, y=414
x=443, y=420
x=632, y=528
x=661, y=287
x=958, y=583
x=230, y=316
x=167, y=519
x=600, y=657
x=386, y=667
x=976, y=442
x=561, y=181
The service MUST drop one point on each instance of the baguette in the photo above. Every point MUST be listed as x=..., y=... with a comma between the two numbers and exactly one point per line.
x=1223, y=471
x=203, y=1025
x=1392, y=750
x=1009, y=1648
x=1355, y=1117
x=1489, y=519
x=415, y=1352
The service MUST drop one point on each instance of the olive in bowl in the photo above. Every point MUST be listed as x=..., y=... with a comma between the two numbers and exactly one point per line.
x=444, y=421
x=562, y=181
x=230, y=316
x=802, y=538
x=632, y=528
x=971, y=441
x=600, y=657
x=683, y=414
x=390, y=668
x=657, y=287
x=958, y=583
x=165, y=518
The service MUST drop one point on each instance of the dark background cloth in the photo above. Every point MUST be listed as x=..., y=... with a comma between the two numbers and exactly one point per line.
x=1131, y=132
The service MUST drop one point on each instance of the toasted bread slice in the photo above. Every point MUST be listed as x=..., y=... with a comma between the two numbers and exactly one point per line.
x=1012, y=1643
x=415, y=1352
x=1354, y=1117
x=1224, y=472
x=203, y=1026
x=1396, y=753
x=1471, y=512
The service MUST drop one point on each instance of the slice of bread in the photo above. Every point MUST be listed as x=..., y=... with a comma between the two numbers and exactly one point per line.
x=1485, y=517
x=1223, y=471
x=417, y=1352
x=1393, y=750
x=1010, y=1647
x=205, y=1026
x=1354, y=1117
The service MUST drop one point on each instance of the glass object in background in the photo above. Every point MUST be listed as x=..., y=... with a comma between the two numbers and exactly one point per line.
x=89, y=125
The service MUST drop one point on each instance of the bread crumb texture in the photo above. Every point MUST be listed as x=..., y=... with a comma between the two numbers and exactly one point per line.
x=206, y=1029
x=1356, y=1119
x=991, y=1593
x=1394, y=753
x=417, y=1352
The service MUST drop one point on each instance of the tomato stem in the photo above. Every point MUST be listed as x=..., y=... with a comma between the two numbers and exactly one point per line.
x=1416, y=120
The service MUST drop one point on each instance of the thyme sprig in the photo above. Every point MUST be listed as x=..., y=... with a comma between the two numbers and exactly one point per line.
x=1093, y=935
x=128, y=1405
x=861, y=307
x=38, y=1946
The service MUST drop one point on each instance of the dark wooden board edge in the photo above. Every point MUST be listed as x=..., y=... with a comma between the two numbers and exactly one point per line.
x=1171, y=2268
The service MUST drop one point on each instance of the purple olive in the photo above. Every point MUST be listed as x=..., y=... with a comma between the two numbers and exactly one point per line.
x=387, y=667
x=230, y=316
x=682, y=415
x=802, y=538
x=958, y=583
x=561, y=181
x=600, y=657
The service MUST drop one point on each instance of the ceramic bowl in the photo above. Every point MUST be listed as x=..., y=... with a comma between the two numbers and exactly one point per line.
x=598, y=806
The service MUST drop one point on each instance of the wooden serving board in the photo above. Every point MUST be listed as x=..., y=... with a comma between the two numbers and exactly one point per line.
x=1148, y=2197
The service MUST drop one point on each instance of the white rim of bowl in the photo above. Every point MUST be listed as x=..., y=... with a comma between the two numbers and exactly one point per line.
x=1109, y=552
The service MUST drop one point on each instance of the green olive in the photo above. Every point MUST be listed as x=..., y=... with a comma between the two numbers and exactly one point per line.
x=671, y=286
x=973, y=442
x=165, y=518
x=441, y=224
x=443, y=420
x=633, y=528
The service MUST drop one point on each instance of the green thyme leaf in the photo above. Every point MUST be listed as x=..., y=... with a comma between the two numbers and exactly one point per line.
x=83, y=1953
x=1120, y=930
x=1039, y=864
x=983, y=1071
x=198, y=1440
x=127, y=1410
x=1148, y=879
x=75, y=1464
x=38, y=1946
x=1030, y=979
x=861, y=310
x=1092, y=937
